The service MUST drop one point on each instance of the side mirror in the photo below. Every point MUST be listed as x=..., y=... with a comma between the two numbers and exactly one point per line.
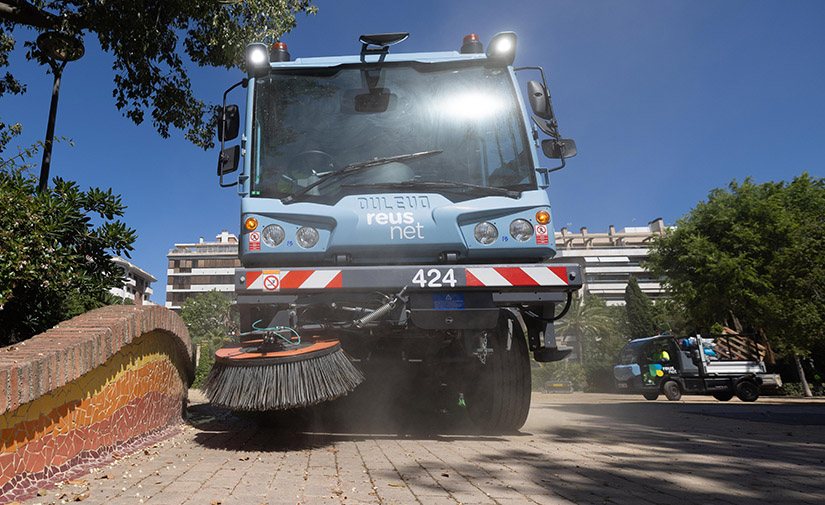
x=229, y=123
x=229, y=160
x=538, y=100
x=558, y=149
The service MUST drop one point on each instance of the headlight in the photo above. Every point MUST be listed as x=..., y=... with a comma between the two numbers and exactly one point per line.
x=485, y=233
x=520, y=230
x=273, y=235
x=307, y=237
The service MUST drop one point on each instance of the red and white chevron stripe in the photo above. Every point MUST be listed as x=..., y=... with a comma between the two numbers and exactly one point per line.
x=516, y=276
x=276, y=280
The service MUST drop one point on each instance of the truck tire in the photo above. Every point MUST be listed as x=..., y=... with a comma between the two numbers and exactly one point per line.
x=723, y=397
x=651, y=395
x=747, y=391
x=500, y=400
x=672, y=391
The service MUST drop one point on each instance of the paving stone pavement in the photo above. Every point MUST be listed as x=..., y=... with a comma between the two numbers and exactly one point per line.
x=575, y=448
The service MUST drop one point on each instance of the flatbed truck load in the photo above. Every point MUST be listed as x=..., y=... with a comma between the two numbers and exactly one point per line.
x=673, y=366
x=394, y=212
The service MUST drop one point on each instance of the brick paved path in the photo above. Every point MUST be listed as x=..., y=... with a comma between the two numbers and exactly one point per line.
x=579, y=448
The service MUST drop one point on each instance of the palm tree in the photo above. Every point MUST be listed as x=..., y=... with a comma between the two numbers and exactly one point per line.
x=585, y=322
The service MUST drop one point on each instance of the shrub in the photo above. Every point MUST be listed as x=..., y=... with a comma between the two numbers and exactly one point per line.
x=55, y=251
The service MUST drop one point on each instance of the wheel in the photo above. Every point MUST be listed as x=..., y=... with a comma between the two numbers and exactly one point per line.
x=747, y=391
x=500, y=400
x=651, y=395
x=672, y=391
x=723, y=397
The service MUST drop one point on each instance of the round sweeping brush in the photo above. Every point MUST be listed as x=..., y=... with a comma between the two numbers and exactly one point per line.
x=259, y=376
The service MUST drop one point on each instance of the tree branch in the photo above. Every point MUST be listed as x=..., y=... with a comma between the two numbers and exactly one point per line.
x=24, y=13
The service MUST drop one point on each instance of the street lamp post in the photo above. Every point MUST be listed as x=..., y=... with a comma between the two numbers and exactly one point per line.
x=59, y=49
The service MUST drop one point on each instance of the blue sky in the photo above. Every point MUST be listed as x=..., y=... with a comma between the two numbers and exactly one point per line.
x=666, y=100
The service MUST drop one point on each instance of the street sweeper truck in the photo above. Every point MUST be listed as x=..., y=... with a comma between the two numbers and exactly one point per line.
x=394, y=214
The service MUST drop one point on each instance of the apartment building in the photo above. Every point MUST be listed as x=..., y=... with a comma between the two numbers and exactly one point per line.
x=608, y=260
x=137, y=284
x=201, y=267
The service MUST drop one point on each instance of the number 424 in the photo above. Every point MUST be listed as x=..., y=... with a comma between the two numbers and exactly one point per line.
x=433, y=278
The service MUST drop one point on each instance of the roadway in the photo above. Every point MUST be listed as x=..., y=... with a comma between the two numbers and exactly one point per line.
x=575, y=448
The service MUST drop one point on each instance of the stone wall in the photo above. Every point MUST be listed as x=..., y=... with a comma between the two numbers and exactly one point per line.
x=100, y=385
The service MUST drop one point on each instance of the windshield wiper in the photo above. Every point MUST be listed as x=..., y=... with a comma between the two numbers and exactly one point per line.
x=476, y=188
x=357, y=167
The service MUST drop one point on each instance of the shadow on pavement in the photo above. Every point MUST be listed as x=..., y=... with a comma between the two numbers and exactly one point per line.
x=358, y=416
x=612, y=451
x=667, y=452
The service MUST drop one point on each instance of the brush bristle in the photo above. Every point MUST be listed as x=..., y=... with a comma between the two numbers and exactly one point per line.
x=280, y=386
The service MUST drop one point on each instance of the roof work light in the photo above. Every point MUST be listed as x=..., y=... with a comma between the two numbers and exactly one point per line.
x=471, y=44
x=257, y=60
x=503, y=47
x=279, y=52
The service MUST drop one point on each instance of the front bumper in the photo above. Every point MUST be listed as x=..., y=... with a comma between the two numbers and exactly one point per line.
x=533, y=280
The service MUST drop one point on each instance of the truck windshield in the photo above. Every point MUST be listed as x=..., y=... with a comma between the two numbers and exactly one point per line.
x=309, y=123
x=630, y=353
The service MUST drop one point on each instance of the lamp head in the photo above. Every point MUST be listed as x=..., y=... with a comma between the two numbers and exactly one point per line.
x=257, y=59
x=503, y=47
x=60, y=46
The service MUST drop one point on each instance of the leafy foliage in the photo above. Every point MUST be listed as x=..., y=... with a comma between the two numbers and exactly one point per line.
x=670, y=317
x=752, y=256
x=211, y=325
x=8, y=84
x=599, y=333
x=151, y=41
x=640, y=313
x=55, y=251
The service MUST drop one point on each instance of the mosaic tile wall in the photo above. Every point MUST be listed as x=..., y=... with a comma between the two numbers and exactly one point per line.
x=133, y=399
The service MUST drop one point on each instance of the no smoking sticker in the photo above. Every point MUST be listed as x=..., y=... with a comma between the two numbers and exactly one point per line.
x=542, y=237
x=255, y=241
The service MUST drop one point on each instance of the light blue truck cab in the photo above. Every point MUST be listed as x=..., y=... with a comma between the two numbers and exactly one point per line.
x=398, y=203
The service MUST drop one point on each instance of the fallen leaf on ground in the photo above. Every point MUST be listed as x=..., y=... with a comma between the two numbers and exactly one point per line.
x=245, y=458
x=42, y=492
x=395, y=484
x=81, y=497
x=76, y=482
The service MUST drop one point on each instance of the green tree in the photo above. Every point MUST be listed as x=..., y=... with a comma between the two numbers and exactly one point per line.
x=598, y=331
x=752, y=256
x=211, y=325
x=671, y=318
x=640, y=312
x=584, y=321
x=55, y=262
x=151, y=42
